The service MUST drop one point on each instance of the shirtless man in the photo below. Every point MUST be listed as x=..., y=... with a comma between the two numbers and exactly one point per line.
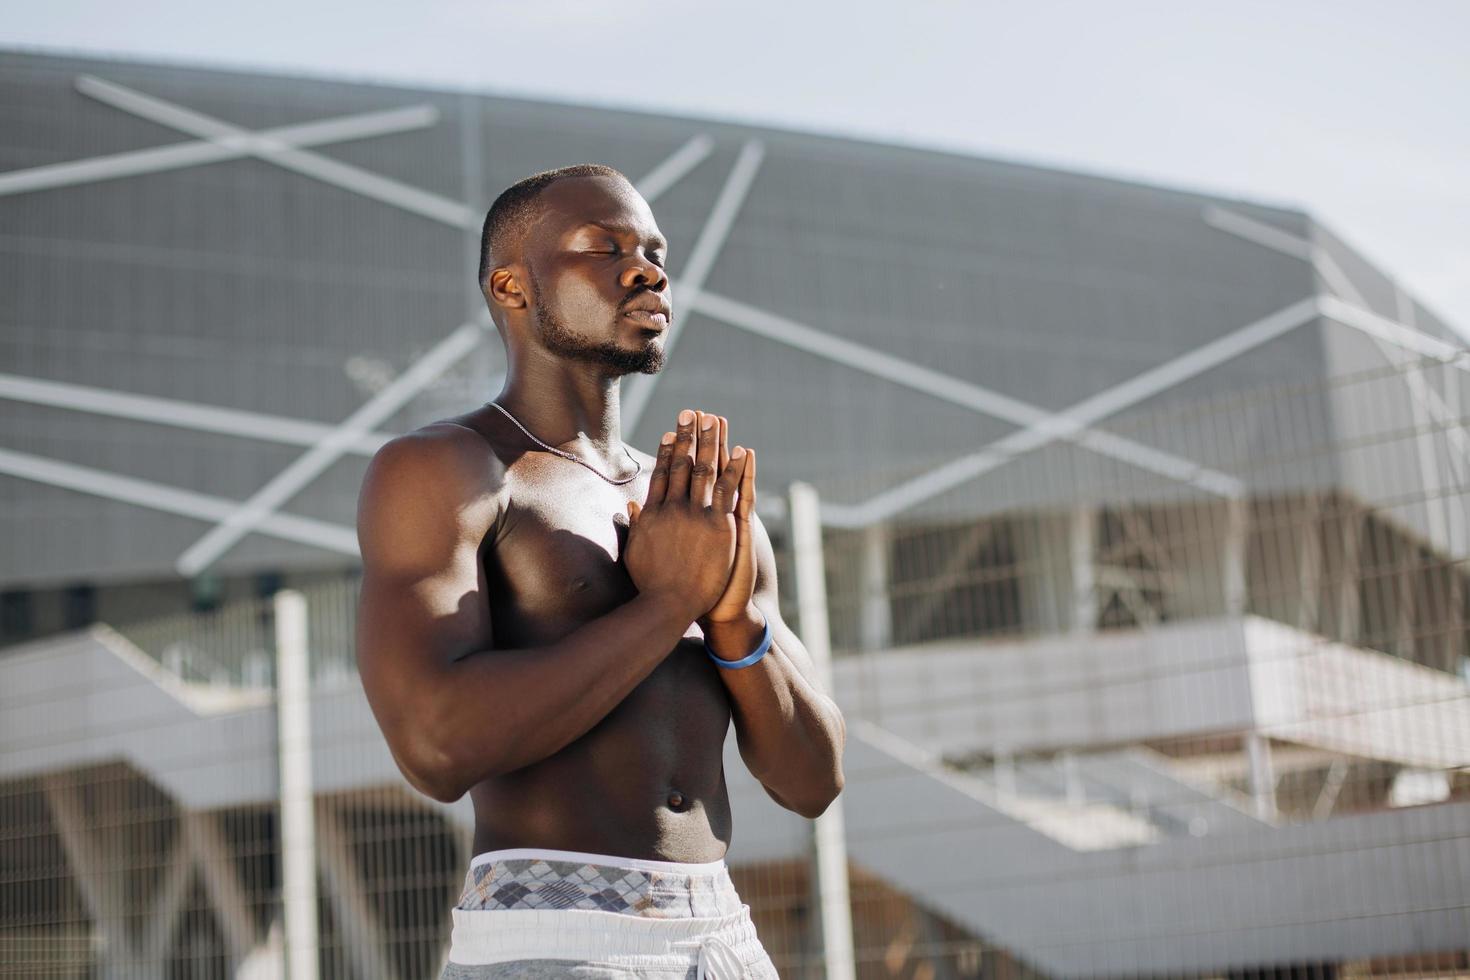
x=554, y=622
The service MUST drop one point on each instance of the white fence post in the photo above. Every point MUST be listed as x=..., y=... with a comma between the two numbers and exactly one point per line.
x=298, y=821
x=829, y=835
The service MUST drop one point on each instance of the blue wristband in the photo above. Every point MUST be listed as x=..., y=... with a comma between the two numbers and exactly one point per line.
x=760, y=651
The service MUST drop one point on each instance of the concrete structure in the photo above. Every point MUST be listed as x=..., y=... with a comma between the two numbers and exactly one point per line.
x=1145, y=873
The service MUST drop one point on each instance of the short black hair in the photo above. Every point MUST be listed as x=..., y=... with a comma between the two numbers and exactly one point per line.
x=515, y=209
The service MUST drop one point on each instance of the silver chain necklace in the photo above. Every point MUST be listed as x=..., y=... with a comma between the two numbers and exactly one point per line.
x=566, y=455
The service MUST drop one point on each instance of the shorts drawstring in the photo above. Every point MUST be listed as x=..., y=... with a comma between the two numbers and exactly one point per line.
x=717, y=960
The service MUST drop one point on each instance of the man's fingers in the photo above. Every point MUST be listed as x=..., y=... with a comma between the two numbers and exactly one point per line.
x=658, y=483
x=683, y=460
x=706, y=457
x=724, y=443
x=746, y=504
x=726, y=487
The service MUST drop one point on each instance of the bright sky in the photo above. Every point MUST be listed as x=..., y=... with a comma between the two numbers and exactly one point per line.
x=1356, y=110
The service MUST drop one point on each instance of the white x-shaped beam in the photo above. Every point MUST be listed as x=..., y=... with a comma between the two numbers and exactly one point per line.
x=282, y=153
x=963, y=393
x=264, y=503
x=223, y=142
x=1075, y=424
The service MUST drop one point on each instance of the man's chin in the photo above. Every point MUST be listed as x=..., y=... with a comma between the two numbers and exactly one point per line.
x=648, y=360
x=630, y=363
x=654, y=366
x=645, y=369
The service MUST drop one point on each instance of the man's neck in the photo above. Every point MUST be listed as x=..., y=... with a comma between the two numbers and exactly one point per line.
x=568, y=404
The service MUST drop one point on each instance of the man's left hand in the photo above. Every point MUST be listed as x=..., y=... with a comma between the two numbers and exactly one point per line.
x=735, y=604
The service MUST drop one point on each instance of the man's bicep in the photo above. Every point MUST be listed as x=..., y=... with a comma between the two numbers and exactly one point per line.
x=422, y=601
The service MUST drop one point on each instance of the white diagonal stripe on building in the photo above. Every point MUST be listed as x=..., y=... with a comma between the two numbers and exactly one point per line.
x=171, y=500
x=675, y=168
x=1395, y=332
x=286, y=484
x=1358, y=316
x=196, y=152
x=1257, y=231
x=178, y=414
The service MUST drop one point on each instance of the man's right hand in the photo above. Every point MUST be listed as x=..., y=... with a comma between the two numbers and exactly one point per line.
x=681, y=540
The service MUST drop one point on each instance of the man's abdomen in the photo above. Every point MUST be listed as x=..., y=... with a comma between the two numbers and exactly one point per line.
x=645, y=782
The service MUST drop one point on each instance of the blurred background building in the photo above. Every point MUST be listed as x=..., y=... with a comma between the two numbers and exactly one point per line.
x=1144, y=520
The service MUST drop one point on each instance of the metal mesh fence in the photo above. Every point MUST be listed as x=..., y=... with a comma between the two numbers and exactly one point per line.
x=1156, y=731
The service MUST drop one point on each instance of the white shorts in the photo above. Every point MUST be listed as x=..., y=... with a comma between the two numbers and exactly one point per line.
x=537, y=913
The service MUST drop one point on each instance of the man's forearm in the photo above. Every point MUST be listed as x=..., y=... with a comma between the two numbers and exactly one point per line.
x=791, y=734
x=495, y=711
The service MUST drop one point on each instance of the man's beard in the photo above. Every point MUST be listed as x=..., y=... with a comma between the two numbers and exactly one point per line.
x=557, y=338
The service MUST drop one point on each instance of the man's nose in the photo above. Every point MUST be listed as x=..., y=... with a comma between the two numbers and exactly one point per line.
x=642, y=272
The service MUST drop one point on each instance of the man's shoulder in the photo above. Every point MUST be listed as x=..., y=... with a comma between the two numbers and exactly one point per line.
x=446, y=457
x=426, y=494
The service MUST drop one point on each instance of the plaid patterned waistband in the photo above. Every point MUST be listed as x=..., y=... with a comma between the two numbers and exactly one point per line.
x=639, y=888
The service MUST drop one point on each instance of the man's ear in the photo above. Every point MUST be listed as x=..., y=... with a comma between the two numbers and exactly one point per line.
x=503, y=288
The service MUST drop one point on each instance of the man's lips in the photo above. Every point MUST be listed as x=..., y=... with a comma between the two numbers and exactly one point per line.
x=651, y=318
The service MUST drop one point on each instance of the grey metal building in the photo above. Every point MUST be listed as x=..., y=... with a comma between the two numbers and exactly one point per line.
x=1132, y=494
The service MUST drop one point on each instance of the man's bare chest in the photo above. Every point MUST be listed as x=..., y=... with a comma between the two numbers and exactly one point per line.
x=554, y=561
